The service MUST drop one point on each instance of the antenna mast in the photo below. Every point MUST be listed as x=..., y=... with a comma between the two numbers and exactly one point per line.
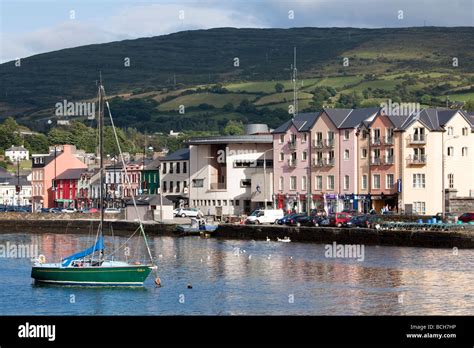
x=295, y=88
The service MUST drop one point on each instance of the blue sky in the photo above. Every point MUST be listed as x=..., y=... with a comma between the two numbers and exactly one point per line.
x=38, y=26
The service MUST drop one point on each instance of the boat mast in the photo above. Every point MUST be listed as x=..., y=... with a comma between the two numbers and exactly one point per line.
x=101, y=154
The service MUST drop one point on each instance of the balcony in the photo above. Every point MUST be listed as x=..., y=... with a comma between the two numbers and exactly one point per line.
x=292, y=144
x=416, y=160
x=292, y=163
x=329, y=162
x=329, y=143
x=375, y=141
x=218, y=186
x=389, y=160
x=375, y=161
x=318, y=163
x=318, y=144
x=388, y=140
x=416, y=139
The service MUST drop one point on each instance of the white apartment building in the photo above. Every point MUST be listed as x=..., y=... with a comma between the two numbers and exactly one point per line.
x=17, y=153
x=228, y=174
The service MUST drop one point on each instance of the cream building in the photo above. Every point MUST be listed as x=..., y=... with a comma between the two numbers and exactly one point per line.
x=425, y=136
x=228, y=175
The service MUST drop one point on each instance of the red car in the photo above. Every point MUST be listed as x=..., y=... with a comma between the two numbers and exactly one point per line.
x=466, y=217
x=342, y=219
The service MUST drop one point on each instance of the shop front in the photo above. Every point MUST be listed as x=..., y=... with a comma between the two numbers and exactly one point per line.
x=364, y=203
x=317, y=203
x=382, y=203
x=349, y=202
x=331, y=203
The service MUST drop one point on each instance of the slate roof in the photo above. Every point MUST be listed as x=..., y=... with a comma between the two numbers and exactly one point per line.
x=303, y=122
x=73, y=173
x=354, y=118
x=180, y=155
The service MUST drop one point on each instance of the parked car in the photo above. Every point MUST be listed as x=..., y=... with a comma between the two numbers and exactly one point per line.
x=336, y=220
x=368, y=221
x=112, y=211
x=265, y=216
x=466, y=217
x=189, y=212
x=69, y=210
x=305, y=220
x=298, y=219
x=90, y=210
x=318, y=220
x=176, y=211
x=43, y=210
x=285, y=218
x=55, y=210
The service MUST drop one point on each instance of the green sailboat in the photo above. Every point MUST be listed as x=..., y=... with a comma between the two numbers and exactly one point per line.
x=91, y=267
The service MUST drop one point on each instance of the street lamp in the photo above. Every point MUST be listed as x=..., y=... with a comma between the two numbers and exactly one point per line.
x=443, y=201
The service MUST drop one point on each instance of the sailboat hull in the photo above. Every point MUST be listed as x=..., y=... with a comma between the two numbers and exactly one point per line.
x=92, y=276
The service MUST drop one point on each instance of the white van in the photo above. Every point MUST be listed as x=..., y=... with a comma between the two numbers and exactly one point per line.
x=267, y=216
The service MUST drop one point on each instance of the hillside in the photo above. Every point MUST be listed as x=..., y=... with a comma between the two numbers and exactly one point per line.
x=184, y=68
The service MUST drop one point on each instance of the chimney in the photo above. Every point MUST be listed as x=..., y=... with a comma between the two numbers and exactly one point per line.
x=69, y=149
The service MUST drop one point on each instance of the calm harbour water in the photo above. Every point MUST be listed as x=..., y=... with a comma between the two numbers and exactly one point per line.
x=226, y=281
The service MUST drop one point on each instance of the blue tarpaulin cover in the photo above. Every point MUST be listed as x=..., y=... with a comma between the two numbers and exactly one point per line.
x=99, y=245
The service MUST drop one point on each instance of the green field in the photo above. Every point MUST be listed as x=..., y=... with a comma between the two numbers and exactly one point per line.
x=281, y=98
x=218, y=100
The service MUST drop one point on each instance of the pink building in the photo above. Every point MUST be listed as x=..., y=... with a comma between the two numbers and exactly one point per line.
x=291, y=162
x=45, y=168
x=134, y=170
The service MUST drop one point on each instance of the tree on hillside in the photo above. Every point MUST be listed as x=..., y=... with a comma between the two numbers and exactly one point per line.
x=233, y=128
x=279, y=87
x=469, y=105
x=36, y=143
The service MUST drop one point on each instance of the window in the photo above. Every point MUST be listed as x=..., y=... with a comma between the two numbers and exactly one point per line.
x=465, y=131
x=237, y=202
x=304, y=138
x=346, y=182
x=218, y=202
x=245, y=183
x=319, y=182
x=178, y=167
x=281, y=183
x=164, y=186
x=365, y=134
x=450, y=151
x=364, y=153
x=282, y=138
x=346, y=154
x=178, y=186
x=418, y=180
x=376, y=181
x=346, y=135
x=282, y=156
x=171, y=186
x=185, y=167
x=419, y=208
x=464, y=151
x=450, y=131
x=303, y=183
x=304, y=156
x=389, y=181
x=451, y=180
x=293, y=183
x=224, y=202
x=330, y=183
x=164, y=168
x=364, y=182
x=171, y=168
x=198, y=182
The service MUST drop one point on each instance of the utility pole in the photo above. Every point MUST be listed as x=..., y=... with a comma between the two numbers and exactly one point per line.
x=18, y=180
x=295, y=87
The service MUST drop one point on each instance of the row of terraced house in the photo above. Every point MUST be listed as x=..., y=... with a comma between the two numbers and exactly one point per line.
x=363, y=159
x=338, y=159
